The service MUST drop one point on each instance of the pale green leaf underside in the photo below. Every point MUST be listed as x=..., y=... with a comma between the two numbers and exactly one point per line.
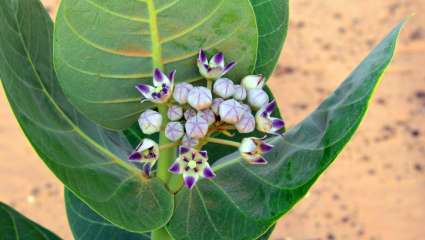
x=243, y=200
x=15, y=226
x=104, y=48
x=89, y=160
x=87, y=225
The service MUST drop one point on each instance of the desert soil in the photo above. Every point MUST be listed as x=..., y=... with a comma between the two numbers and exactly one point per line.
x=376, y=188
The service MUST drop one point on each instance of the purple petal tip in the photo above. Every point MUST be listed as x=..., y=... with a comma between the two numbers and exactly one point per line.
x=202, y=57
x=204, y=154
x=143, y=88
x=183, y=150
x=278, y=123
x=209, y=173
x=147, y=169
x=271, y=106
x=135, y=156
x=189, y=181
x=175, y=168
x=260, y=161
x=266, y=147
x=158, y=75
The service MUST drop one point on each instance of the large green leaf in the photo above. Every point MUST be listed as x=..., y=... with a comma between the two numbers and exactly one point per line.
x=272, y=22
x=88, y=159
x=244, y=200
x=103, y=48
x=15, y=226
x=88, y=225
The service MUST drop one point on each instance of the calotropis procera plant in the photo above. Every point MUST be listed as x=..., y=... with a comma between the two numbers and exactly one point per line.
x=156, y=116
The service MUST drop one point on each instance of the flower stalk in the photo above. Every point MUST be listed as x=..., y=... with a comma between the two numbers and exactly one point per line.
x=168, y=153
x=223, y=142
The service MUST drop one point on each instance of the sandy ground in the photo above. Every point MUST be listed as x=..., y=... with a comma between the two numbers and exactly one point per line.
x=374, y=191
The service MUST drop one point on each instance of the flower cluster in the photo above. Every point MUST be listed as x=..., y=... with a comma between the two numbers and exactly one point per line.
x=194, y=113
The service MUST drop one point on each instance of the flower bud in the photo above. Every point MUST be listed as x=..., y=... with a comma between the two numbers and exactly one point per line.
x=253, y=81
x=146, y=152
x=231, y=111
x=175, y=113
x=216, y=104
x=181, y=91
x=190, y=112
x=150, y=122
x=252, y=149
x=246, y=107
x=246, y=124
x=224, y=88
x=174, y=131
x=208, y=115
x=196, y=127
x=257, y=98
x=200, y=98
x=193, y=164
x=240, y=93
x=189, y=142
x=266, y=123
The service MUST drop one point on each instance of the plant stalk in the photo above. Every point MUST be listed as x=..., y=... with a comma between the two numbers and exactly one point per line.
x=223, y=142
x=167, y=154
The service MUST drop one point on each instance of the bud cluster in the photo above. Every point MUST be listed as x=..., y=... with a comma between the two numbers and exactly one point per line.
x=196, y=112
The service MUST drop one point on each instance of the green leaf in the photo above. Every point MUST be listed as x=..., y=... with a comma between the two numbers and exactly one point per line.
x=243, y=201
x=104, y=48
x=88, y=225
x=14, y=225
x=88, y=159
x=272, y=22
x=267, y=235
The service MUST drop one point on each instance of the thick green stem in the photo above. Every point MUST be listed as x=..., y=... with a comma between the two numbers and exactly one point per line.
x=209, y=84
x=161, y=234
x=167, y=155
x=223, y=142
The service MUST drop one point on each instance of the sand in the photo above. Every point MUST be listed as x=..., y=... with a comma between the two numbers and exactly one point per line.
x=375, y=189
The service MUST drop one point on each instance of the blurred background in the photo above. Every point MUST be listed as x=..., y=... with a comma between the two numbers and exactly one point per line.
x=376, y=188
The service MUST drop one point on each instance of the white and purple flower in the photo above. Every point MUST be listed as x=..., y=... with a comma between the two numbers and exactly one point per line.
x=215, y=68
x=146, y=152
x=200, y=98
x=181, y=92
x=193, y=164
x=196, y=127
x=231, y=111
x=150, y=122
x=240, y=93
x=252, y=150
x=162, y=88
x=175, y=112
x=224, y=88
x=257, y=98
x=246, y=124
x=174, y=131
x=266, y=123
x=253, y=82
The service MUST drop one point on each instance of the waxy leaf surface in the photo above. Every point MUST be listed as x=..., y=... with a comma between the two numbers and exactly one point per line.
x=104, y=48
x=88, y=159
x=243, y=201
x=88, y=225
x=15, y=226
x=272, y=22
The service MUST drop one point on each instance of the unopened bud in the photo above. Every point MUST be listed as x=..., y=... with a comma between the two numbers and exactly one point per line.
x=150, y=122
x=224, y=88
x=175, y=113
x=200, y=98
x=257, y=98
